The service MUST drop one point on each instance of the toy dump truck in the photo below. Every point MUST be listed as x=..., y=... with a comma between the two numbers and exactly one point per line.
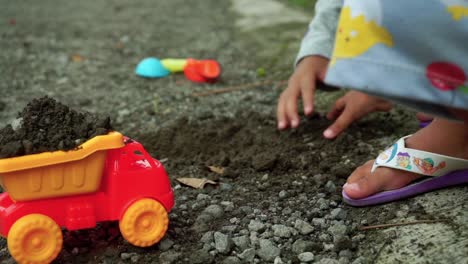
x=109, y=177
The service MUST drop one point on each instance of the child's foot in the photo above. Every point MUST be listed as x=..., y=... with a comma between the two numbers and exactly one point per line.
x=422, y=117
x=441, y=137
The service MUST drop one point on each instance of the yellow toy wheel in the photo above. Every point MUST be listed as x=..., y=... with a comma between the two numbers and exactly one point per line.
x=144, y=223
x=34, y=238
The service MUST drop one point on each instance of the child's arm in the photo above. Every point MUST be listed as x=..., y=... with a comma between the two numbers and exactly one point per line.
x=311, y=62
x=320, y=37
x=311, y=66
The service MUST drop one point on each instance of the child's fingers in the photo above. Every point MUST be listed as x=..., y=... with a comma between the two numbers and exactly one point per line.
x=281, y=112
x=291, y=110
x=337, y=108
x=341, y=123
x=308, y=92
x=290, y=103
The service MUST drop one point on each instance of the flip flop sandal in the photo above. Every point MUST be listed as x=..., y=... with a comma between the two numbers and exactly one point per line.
x=424, y=124
x=442, y=171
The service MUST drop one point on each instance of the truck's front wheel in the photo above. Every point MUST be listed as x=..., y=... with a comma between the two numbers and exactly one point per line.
x=34, y=238
x=144, y=223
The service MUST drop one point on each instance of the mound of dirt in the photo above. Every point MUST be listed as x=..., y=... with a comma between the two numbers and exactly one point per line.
x=47, y=125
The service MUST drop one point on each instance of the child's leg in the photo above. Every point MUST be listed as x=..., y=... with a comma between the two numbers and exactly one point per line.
x=441, y=136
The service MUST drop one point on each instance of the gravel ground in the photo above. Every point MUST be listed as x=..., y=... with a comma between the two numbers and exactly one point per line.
x=279, y=199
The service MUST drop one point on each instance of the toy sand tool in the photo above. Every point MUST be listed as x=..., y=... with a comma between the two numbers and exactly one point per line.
x=200, y=71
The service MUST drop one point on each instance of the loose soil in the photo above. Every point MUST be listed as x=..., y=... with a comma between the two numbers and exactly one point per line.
x=47, y=125
x=251, y=144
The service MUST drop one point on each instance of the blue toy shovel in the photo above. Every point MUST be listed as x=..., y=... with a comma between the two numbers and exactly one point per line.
x=151, y=68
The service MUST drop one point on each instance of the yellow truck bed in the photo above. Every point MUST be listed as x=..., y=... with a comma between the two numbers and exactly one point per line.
x=58, y=173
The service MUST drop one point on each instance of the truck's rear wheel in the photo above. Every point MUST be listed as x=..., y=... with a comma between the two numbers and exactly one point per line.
x=144, y=223
x=35, y=238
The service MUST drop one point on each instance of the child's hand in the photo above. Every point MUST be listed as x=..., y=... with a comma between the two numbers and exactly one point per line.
x=351, y=107
x=302, y=82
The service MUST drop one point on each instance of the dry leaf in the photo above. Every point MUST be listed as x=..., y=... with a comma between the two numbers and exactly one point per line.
x=219, y=170
x=77, y=58
x=119, y=45
x=196, y=182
